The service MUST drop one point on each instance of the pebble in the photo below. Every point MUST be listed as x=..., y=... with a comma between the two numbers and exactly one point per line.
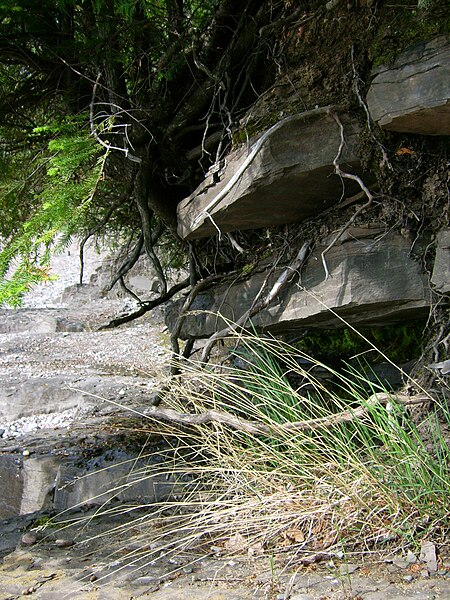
x=64, y=543
x=26, y=453
x=28, y=539
x=408, y=578
x=348, y=569
x=28, y=591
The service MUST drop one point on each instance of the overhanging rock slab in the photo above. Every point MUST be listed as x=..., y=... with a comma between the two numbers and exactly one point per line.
x=413, y=95
x=290, y=179
x=372, y=281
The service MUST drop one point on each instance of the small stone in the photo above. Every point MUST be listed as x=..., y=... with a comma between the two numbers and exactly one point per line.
x=26, y=453
x=411, y=558
x=93, y=578
x=424, y=573
x=442, y=572
x=28, y=539
x=187, y=569
x=348, y=569
x=400, y=562
x=408, y=578
x=28, y=591
x=428, y=555
x=64, y=543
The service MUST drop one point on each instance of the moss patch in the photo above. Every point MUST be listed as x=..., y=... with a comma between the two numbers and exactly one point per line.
x=400, y=343
x=404, y=25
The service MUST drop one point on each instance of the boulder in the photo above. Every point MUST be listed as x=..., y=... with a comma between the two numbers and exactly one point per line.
x=290, y=179
x=413, y=94
x=441, y=270
x=373, y=280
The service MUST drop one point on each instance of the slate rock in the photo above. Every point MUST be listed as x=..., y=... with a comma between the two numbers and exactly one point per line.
x=413, y=94
x=441, y=270
x=371, y=282
x=290, y=179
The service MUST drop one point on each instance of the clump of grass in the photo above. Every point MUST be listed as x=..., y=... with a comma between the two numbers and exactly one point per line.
x=366, y=483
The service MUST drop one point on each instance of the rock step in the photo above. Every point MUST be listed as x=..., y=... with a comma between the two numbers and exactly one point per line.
x=22, y=398
x=373, y=280
x=290, y=179
x=39, y=320
x=57, y=470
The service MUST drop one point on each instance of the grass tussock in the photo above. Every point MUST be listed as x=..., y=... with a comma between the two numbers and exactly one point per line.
x=370, y=483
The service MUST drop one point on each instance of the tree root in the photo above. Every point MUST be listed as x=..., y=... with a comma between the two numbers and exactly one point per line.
x=359, y=181
x=261, y=303
x=257, y=428
x=146, y=306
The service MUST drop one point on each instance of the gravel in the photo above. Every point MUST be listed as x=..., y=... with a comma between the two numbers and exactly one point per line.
x=129, y=360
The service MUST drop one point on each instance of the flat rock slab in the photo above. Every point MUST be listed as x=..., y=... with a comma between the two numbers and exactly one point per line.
x=372, y=281
x=290, y=179
x=84, y=572
x=413, y=95
x=43, y=320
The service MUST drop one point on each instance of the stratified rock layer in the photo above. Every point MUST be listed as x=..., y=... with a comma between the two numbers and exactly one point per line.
x=371, y=281
x=413, y=95
x=441, y=271
x=290, y=179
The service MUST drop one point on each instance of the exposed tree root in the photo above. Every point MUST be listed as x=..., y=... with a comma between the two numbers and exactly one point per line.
x=146, y=306
x=256, y=428
x=129, y=262
x=262, y=303
x=174, y=338
x=359, y=181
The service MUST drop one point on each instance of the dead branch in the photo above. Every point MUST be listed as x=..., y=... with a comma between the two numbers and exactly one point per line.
x=146, y=306
x=359, y=181
x=94, y=133
x=280, y=430
x=262, y=303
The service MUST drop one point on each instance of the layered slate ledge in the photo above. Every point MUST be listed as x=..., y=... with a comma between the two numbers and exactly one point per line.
x=373, y=280
x=413, y=94
x=441, y=271
x=290, y=179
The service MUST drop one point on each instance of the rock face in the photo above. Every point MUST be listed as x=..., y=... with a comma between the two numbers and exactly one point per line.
x=413, y=95
x=290, y=178
x=372, y=281
x=441, y=271
x=66, y=479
